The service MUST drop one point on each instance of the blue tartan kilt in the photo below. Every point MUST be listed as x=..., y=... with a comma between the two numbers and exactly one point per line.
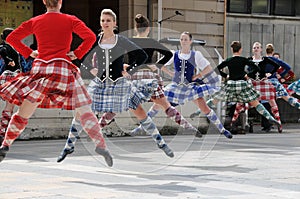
x=280, y=90
x=141, y=91
x=240, y=91
x=146, y=74
x=109, y=96
x=182, y=93
x=212, y=79
x=119, y=96
x=295, y=86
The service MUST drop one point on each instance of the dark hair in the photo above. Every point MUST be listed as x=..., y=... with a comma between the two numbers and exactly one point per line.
x=188, y=34
x=276, y=54
x=141, y=23
x=51, y=3
x=269, y=48
x=236, y=46
x=5, y=33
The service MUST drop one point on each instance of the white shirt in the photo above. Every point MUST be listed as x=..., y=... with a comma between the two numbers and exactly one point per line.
x=200, y=60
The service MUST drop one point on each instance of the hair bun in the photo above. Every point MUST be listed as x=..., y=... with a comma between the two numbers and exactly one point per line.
x=139, y=18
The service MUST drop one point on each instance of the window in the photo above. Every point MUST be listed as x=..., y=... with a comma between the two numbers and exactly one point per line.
x=238, y=6
x=284, y=7
x=268, y=7
x=297, y=6
x=260, y=6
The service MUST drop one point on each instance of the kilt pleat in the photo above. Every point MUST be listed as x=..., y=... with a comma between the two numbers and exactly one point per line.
x=237, y=91
x=182, y=93
x=147, y=74
x=119, y=96
x=280, y=89
x=8, y=75
x=141, y=92
x=108, y=96
x=266, y=89
x=56, y=84
x=295, y=86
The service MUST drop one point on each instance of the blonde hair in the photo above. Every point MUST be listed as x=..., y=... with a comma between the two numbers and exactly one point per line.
x=257, y=43
x=109, y=12
x=51, y=3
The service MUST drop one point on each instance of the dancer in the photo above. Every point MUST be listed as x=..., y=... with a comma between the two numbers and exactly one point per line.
x=262, y=84
x=188, y=86
x=238, y=87
x=281, y=92
x=289, y=77
x=53, y=82
x=111, y=92
x=13, y=64
x=10, y=67
x=142, y=28
x=295, y=87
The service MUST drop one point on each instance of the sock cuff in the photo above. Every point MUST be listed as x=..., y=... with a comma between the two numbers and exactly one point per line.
x=171, y=111
x=211, y=113
x=146, y=120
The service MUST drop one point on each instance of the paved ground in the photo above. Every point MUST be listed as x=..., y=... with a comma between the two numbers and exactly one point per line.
x=249, y=166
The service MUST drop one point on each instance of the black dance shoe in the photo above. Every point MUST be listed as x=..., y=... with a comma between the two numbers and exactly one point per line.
x=1, y=139
x=105, y=153
x=64, y=154
x=3, y=151
x=167, y=150
x=227, y=134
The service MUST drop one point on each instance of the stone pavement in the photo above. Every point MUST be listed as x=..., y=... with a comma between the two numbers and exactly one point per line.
x=249, y=166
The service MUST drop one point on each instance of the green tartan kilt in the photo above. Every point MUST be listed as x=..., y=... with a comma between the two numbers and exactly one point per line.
x=237, y=91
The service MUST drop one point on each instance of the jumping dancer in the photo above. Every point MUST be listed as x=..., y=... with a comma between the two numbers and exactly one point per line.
x=189, y=86
x=281, y=92
x=261, y=83
x=13, y=64
x=238, y=87
x=150, y=45
x=53, y=82
x=111, y=92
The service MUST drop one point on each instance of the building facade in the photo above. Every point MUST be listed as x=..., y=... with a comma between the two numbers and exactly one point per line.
x=218, y=22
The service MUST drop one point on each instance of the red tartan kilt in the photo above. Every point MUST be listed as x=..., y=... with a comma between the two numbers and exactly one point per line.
x=7, y=76
x=56, y=84
x=266, y=89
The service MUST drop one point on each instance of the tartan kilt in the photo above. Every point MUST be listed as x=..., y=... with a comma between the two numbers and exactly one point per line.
x=295, y=86
x=109, y=96
x=240, y=91
x=280, y=90
x=119, y=96
x=8, y=75
x=182, y=93
x=142, y=91
x=212, y=79
x=56, y=84
x=265, y=88
x=147, y=74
